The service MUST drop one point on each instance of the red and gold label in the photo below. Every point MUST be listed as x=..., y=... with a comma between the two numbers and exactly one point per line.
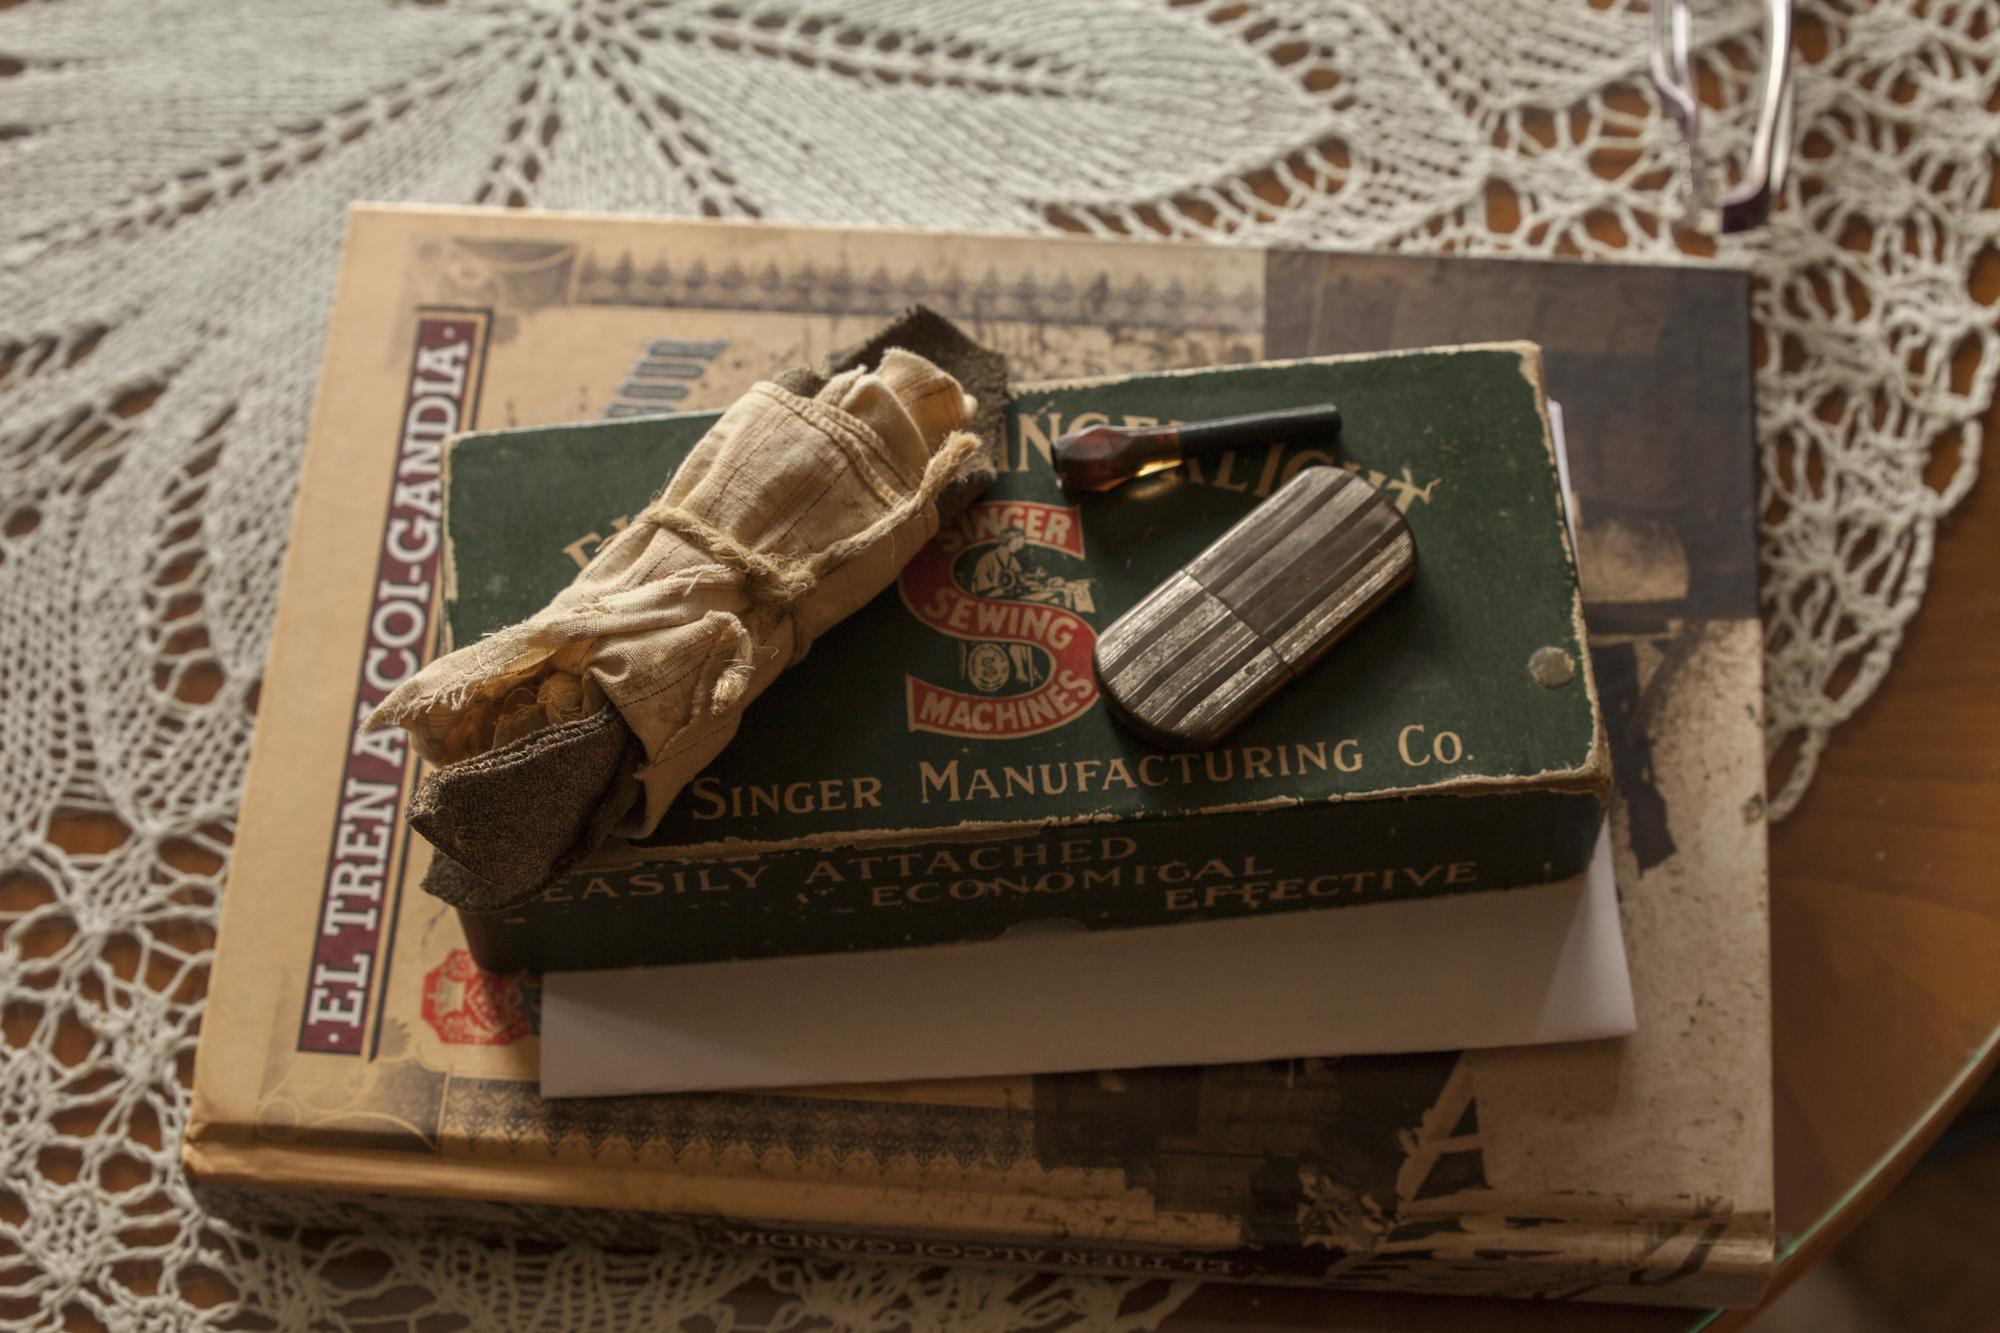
x=467, y=1006
x=1004, y=579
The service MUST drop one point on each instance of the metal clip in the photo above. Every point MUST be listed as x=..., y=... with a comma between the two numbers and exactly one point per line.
x=1747, y=204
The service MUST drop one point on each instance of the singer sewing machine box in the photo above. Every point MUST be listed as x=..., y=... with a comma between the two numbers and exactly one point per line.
x=357, y=1067
x=941, y=767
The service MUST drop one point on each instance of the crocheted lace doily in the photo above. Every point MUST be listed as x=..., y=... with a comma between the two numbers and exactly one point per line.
x=172, y=182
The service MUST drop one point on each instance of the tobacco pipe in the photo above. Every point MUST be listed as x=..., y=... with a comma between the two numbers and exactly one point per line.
x=1098, y=458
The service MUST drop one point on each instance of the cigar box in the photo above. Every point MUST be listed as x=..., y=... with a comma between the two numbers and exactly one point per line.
x=357, y=1068
x=943, y=766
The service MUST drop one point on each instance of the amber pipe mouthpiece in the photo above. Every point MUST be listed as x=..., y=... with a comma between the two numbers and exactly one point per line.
x=1098, y=458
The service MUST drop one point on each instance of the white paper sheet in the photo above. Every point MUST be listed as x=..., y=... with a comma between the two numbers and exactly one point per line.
x=1484, y=969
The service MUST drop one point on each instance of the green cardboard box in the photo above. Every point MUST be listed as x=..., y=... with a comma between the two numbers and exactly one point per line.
x=941, y=768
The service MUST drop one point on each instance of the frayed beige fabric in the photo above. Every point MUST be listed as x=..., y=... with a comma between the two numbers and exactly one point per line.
x=790, y=514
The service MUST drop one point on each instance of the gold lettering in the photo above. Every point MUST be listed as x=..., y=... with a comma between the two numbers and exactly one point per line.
x=1033, y=436
x=1269, y=476
x=1403, y=746
x=709, y=792
x=1443, y=748
x=943, y=781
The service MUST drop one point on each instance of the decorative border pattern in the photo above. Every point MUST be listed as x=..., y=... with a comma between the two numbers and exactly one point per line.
x=1022, y=297
x=807, y=1132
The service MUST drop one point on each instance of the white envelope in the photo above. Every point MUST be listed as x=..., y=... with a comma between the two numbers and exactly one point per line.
x=1496, y=968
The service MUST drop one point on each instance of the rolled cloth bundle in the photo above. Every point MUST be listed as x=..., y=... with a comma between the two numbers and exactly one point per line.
x=801, y=503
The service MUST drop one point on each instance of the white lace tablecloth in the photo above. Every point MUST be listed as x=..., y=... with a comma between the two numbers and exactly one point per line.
x=172, y=182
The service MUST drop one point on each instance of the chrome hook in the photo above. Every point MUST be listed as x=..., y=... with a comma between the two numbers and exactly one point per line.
x=1747, y=204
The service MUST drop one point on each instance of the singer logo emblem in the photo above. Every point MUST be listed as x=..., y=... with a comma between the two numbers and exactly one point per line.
x=1004, y=580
